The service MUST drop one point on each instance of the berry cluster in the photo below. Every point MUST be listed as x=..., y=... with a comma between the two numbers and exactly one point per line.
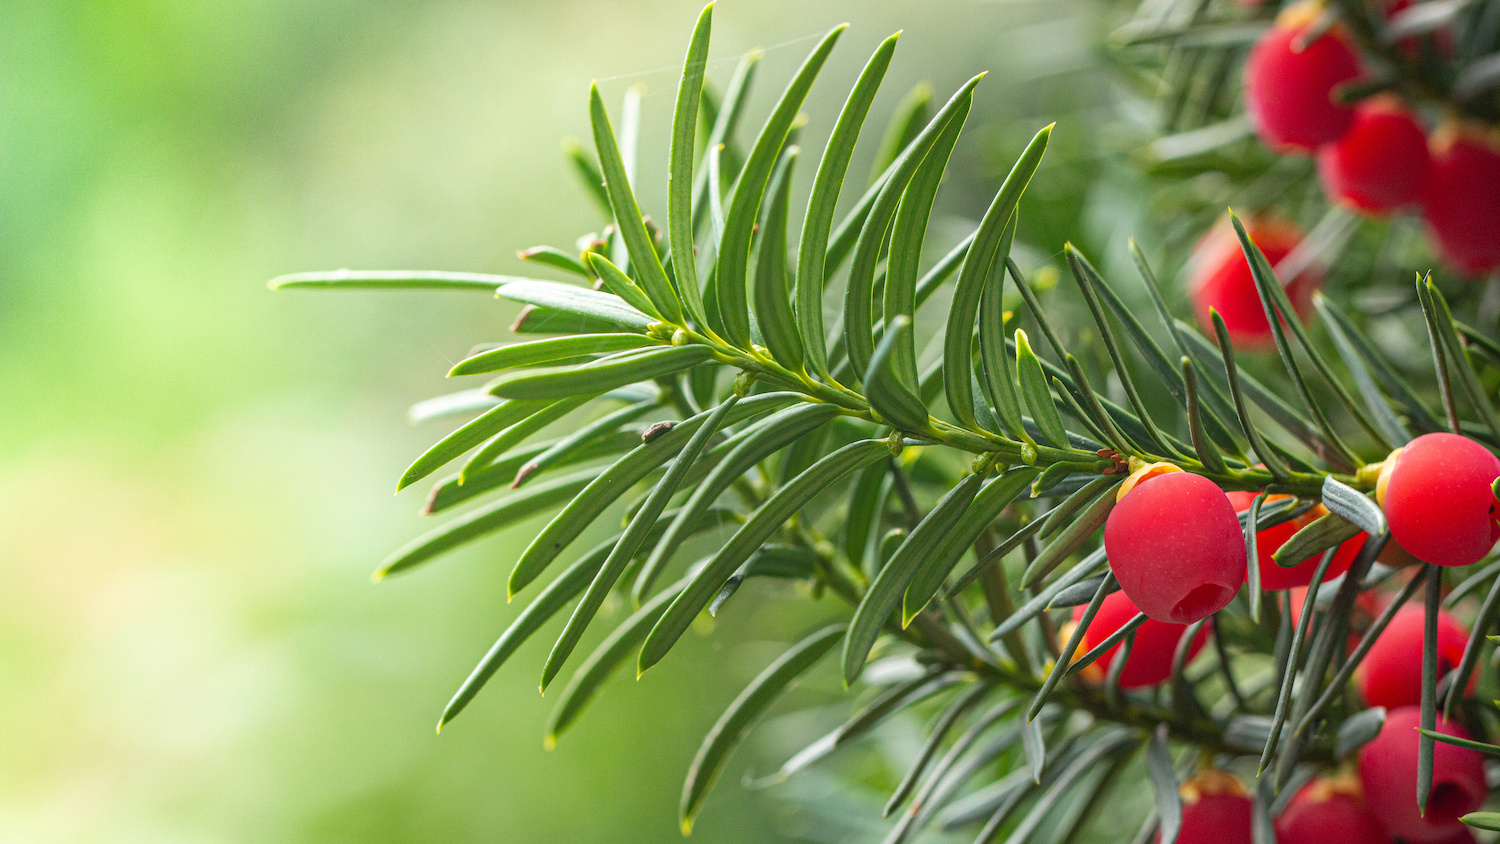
x=1371, y=805
x=1375, y=157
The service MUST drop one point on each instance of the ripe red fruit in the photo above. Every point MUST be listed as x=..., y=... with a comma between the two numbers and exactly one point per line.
x=1462, y=199
x=1326, y=811
x=1215, y=810
x=1275, y=578
x=1289, y=91
x=1391, y=674
x=1381, y=163
x=1388, y=771
x=1437, y=498
x=1219, y=278
x=1150, y=660
x=1174, y=544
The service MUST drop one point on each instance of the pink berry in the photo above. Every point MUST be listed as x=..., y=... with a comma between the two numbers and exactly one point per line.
x=1437, y=499
x=1219, y=278
x=1174, y=544
x=1215, y=810
x=1273, y=577
x=1391, y=674
x=1462, y=199
x=1327, y=811
x=1289, y=92
x=1150, y=660
x=1388, y=771
x=1381, y=163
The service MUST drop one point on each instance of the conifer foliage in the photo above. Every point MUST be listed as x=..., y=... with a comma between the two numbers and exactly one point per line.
x=1054, y=541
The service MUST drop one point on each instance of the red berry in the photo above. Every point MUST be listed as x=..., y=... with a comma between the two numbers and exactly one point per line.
x=1327, y=811
x=1174, y=543
x=1150, y=660
x=1381, y=163
x=1437, y=498
x=1215, y=810
x=1219, y=278
x=1462, y=199
x=1275, y=578
x=1391, y=674
x=1388, y=770
x=1289, y=92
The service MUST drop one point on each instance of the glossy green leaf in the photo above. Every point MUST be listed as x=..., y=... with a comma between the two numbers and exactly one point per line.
x=1468, y=378
x=746, y=195
x=556, y=382
x=617, y=282
x=539, y=319
x=553, y=351
x=518, y=433
x=631, y=541
x=615, y=481
x=907, y=235
x=773, y=309
x=1163, y=776
x=991, y=245
x=935, y=737
x=765, y=521
x=680, y=172
x=859, y=293
x=484, y=521
x=1206, y=452
x=1425, y=744
x=643, y=258
x=548, y=603
x=448, y=492
x=467, y=436
x=1033, y=384
x=892, y=392
x=1353, y=506
x=562, y=450
x=575, y=300
x=1294, y=658
x=1320, y=535
x=812, y=252
x=742, y=713
x=750, y=447
x=1247, y=425
x=950, y=546
x=551, y=256
x=1344, y=332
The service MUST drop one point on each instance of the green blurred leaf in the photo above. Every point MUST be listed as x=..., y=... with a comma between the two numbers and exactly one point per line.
x=905, y=124
x=519, y=432
x=743, y=712
x=551, y=256
x=393, y=280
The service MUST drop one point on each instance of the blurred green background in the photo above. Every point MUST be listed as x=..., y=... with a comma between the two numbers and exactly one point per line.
x=195, y=473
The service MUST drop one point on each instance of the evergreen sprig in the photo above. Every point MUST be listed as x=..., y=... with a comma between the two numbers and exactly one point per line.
x=824, y=450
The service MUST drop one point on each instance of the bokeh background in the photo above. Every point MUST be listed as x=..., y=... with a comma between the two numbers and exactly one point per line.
x=196, y=474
